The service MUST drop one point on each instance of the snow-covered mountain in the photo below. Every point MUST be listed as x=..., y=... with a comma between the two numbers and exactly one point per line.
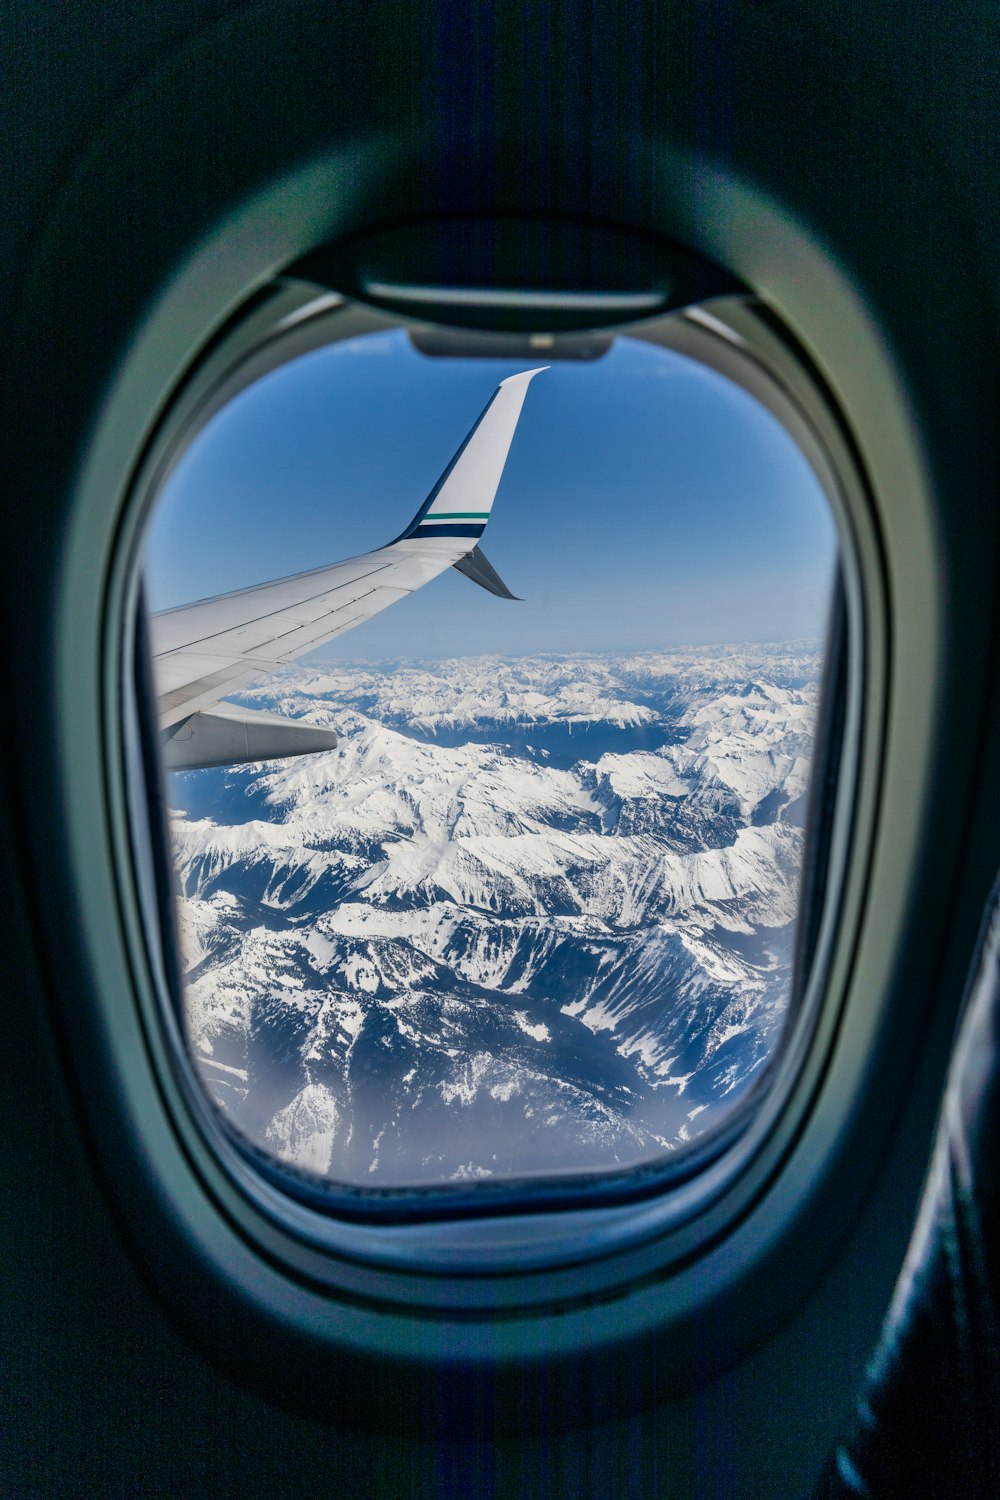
x=532, y=914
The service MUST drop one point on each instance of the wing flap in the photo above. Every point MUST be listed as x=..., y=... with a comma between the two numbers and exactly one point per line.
x=234, y=736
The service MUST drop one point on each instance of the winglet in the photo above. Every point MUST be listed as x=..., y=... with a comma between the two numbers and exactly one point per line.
x=459, y=505
x=475, y=566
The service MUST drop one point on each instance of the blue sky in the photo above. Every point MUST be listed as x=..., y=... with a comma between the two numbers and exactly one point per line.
x=646, y=503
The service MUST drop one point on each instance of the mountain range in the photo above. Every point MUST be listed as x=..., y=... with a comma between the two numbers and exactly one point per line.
x=532, y=915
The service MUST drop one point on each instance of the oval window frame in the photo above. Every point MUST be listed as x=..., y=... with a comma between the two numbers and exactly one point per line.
x=449, y=1253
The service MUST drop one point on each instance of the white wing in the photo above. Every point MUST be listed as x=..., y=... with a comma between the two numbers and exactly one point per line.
x=203, y=651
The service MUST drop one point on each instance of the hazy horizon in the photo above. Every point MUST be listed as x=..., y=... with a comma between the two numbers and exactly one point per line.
x=666, y=648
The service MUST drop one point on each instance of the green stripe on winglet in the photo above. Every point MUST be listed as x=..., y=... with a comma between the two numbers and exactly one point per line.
x=457, y=515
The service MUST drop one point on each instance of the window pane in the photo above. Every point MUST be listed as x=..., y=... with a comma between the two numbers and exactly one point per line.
x=535, y=911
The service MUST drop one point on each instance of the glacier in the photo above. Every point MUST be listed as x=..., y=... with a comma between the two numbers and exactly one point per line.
x=533, y=915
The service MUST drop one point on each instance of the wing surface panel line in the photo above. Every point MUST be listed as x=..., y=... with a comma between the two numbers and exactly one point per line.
x=268, y=614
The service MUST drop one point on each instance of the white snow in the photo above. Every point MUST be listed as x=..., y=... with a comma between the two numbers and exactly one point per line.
x=304, y=1131
x=539, y=1031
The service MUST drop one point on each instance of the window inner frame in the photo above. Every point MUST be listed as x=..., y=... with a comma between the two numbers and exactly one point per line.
x=545, y=1221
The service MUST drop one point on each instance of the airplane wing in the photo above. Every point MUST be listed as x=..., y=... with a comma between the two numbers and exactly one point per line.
x=203, y=651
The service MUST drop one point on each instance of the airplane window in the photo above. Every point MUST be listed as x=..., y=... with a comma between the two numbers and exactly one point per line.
x=487, y=742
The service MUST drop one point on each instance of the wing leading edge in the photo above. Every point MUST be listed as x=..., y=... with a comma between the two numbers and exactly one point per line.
x=203, y=651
